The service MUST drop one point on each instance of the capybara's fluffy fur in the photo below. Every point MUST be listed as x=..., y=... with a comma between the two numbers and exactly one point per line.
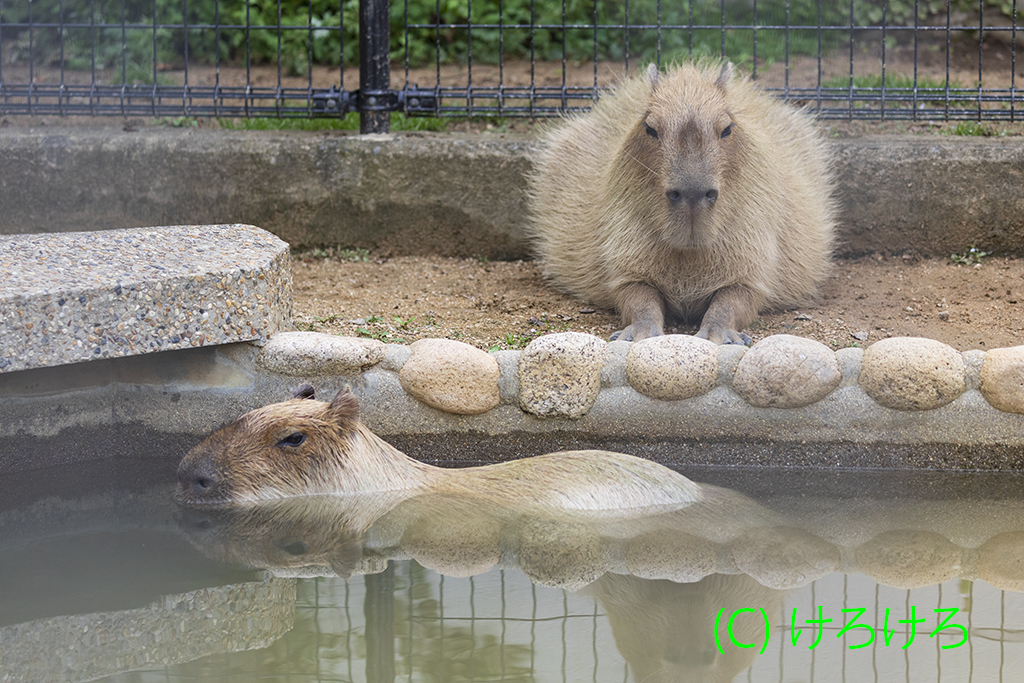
x=688, y=195
x=307, y=447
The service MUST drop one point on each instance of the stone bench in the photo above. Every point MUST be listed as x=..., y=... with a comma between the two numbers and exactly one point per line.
x=72, y=297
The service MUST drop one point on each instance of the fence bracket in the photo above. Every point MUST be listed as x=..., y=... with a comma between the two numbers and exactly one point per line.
x=333, y=102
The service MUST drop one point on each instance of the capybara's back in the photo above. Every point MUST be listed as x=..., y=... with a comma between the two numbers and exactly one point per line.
x=685, y=195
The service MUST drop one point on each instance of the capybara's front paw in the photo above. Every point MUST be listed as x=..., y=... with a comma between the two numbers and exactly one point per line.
x=724, y=335
x=636, y=332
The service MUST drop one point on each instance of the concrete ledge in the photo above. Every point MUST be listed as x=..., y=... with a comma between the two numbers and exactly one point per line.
x=851, y=424
x=456, y=195
x=80, y=296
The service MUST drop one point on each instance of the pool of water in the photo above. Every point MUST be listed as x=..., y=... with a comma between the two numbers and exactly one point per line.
x=103, y=577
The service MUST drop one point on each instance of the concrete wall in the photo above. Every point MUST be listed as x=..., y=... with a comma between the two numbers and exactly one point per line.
x=421, y=193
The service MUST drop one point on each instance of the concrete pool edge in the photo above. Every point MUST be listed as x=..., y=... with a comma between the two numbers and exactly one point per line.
x=784, y=390
x=192, y=392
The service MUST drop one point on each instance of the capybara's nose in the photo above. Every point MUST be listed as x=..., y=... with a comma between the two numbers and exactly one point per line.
x=691, y=196
x=198, y=480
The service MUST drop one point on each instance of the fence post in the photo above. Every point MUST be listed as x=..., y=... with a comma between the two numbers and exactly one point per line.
x=374, y=66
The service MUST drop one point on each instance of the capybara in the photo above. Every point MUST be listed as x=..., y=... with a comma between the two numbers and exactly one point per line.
x=307, y=447
x=685, y=195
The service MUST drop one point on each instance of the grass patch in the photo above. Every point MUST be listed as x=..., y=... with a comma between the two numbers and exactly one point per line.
x=353, y=255
x=312, y=325
x=969, y=257
x=929, y=89
x=399, y=123
x=513, y=342
x=969, y=128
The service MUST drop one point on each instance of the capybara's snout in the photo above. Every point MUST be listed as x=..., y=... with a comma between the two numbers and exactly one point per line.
x=199, y=481
x=692, y=195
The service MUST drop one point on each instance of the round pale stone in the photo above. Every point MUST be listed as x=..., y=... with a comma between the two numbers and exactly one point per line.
x=672, y=367
x=560, y=374
x=313, y=353
x=909, y=373
x=909, y=559
x=783, y=557
x=783, y=371
x=1002, y=379
x=451, y=376
x=1001, y=561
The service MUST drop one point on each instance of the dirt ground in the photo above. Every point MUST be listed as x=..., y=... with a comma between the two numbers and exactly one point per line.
x=506, y=304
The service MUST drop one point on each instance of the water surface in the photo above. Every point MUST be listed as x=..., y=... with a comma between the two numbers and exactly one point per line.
x=107, y=579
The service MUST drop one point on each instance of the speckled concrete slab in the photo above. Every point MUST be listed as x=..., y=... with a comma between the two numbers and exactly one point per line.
x=71, y=297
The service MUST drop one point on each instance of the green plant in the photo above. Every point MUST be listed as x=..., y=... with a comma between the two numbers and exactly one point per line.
x=929, y=89
x=354, y=255
x=311, y=325
x=403, y=324
x=512, y=341
x=178, y=121
x=970, y=257
x=969, y=128
x=138, y=37
x=399, y=122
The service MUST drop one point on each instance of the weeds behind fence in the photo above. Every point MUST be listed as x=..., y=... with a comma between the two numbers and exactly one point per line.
x=865, y=59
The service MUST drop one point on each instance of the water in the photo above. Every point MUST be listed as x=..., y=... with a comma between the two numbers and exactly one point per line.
x=109, y=580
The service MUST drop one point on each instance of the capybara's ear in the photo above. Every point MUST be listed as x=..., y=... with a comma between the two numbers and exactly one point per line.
x=652, y=74
x=724, y=76
x=304, y=391
x=345, y=405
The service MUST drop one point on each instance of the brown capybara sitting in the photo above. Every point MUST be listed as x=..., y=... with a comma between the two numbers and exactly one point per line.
x=307, y=447
x=685, y=195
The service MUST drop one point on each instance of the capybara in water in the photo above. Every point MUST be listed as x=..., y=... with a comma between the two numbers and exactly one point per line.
x=685, y=195
x=307, y=447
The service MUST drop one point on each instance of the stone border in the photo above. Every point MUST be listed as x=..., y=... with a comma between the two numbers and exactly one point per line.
x=782, y=389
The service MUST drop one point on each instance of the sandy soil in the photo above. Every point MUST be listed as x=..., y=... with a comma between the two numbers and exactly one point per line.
x=506, y=304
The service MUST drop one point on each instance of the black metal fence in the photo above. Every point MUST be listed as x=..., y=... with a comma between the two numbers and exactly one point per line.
x=855, y=59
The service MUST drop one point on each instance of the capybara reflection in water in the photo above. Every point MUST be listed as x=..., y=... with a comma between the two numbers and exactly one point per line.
x=307, y=447
x=689, y=195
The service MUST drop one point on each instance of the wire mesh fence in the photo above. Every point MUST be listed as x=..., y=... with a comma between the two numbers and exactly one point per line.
x=861, y=59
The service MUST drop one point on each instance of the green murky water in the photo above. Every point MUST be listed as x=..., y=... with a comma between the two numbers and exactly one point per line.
x=778, y=576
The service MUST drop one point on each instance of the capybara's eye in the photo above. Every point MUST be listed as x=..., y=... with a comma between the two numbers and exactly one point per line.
x=726, y=131
x=650, y=131
x=294, y=439
x=295, y=548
